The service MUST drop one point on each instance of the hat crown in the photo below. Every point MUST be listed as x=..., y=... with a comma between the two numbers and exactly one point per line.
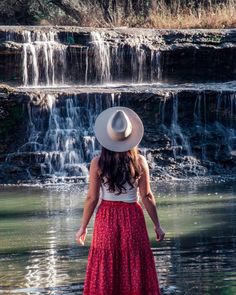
x=118, y=129
x=119, y=126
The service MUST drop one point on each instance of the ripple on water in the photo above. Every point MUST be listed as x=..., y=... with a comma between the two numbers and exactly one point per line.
x=38, y=253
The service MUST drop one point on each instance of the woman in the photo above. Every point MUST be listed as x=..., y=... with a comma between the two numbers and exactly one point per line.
x=120, y=260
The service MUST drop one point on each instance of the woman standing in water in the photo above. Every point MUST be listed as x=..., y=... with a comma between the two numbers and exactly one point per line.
x=120, y=260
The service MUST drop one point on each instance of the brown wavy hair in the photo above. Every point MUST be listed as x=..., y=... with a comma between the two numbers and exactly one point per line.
x=117, y=168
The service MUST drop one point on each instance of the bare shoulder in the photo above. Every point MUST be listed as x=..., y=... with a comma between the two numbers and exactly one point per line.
x=94, y=161
x=142, y=161
x=144, y=177
x=94, y=166
x=141, y=157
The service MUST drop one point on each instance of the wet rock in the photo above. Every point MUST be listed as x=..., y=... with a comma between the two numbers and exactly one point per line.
x=190, y=129
x=131, y=55
x=3, y=113
x=7, y=48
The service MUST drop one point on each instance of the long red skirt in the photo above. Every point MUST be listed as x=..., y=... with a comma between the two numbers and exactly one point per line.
x=120, y=260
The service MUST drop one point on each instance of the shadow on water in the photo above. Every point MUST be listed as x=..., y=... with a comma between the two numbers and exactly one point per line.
x=198, y=254
x=38, y=253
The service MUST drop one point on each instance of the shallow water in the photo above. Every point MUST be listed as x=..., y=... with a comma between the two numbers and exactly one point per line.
x=39, y=255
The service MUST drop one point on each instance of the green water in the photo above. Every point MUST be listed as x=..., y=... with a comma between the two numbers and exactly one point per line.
x=39, y=255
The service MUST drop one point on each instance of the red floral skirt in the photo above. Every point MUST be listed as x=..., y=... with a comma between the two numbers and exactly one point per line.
x=120, y=260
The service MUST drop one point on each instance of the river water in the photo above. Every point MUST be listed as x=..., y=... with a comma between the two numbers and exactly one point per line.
x=39, y=255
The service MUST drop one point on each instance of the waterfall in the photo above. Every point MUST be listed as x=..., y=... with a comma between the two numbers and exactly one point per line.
x=134, y=61
x=102, y=58
x=47, y=60
x=112, y=60
x=226, y=119
x=200, y=122
x=189, y=128
x=168, y=123
x=60, y=132
x=128, y=61
x=179, y=141
x=156, y=71
x=222, y=123
x=43, y=59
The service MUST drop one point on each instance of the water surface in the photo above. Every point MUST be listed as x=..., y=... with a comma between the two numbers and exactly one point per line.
x=39, y=255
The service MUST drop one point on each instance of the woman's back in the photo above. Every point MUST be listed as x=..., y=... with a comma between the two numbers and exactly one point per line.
x=120, y=241
x=130, y=196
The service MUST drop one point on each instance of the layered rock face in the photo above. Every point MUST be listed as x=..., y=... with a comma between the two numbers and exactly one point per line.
x=64, y=77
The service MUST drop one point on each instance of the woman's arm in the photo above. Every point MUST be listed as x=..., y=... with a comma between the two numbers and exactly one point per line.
x=148, y=198
x=91, y=200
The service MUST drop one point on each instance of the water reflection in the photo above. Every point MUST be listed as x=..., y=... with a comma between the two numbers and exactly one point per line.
x=200, y=251
x=38, y=253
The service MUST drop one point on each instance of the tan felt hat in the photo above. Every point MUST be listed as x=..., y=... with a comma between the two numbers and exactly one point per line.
x=118, y=129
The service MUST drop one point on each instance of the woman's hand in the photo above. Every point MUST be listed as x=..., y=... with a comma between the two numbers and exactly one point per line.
x=81, y=235
x=159, y=232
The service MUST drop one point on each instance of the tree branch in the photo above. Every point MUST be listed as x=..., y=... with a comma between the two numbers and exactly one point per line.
x=68, y=8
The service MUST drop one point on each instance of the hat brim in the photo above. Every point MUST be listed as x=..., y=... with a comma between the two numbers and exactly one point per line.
x=100, y=130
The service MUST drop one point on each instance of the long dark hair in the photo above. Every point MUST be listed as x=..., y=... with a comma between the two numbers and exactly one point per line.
x=117, y=168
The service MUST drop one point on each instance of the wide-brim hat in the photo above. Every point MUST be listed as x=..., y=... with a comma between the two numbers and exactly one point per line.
x=118, y=129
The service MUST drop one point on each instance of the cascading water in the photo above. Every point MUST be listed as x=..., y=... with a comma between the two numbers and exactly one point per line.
x=223, y=123
x=61, y=132
x=197, y=140
x=136, y=62
x=190, y=129
x=44, y=59
x=48, y=61
x=190, y=136
x=133, y=60
x=102, y=57
x=179, y=140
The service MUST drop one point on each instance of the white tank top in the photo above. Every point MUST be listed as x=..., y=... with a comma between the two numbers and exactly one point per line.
x=130, y=196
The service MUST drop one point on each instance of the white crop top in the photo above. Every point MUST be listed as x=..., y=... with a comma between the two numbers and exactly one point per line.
x=130, y=196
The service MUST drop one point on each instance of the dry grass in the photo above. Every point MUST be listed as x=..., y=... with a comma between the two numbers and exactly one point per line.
x=211, y=17
x=214, y=16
